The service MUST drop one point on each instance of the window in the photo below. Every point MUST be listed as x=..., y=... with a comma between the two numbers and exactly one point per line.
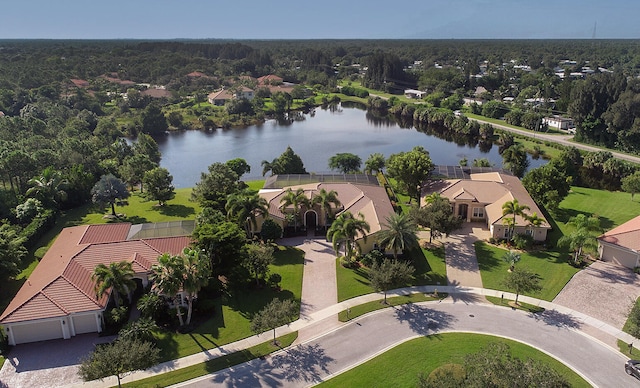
x=529, y=232
x=478, y=212
x=506, y=232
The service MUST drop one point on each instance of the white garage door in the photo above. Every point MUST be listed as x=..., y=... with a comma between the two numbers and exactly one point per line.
x=85, y=324
x=39, y=331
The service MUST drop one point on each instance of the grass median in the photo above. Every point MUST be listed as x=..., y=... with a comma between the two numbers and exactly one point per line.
x=215, y=365
x=356, y=311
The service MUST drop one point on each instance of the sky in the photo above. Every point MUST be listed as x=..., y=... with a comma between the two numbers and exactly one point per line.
x=328, y=19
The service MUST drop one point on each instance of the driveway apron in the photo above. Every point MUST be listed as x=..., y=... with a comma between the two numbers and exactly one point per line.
x=319, y=285
x=460, y=255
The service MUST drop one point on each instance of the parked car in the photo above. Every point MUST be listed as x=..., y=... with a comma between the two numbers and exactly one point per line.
x=632, y=367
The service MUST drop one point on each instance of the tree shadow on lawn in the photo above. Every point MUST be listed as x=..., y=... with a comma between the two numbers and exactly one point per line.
x=285, y=255
x=487, y=259
x=424, y=273
x=248, y=302
x=175, y=210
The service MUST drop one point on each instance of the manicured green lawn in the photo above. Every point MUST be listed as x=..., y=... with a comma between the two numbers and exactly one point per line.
x=551, y=266
x=613, y=207
x=255, y=184
x=400, y=366
x=429, y=264
x=231, y=319
x=521, y=306
x=217, y=364
x=365, y=308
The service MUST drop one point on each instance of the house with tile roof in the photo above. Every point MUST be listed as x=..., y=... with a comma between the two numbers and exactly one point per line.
x=270, y=79
x=220, y=97
x=479, y=198
x=59, y=300
x=621, y=245
x=364, y=196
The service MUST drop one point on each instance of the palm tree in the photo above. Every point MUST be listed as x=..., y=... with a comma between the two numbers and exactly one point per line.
x=534, y=221
x=168, y=276
x=511, y=257
x=49, y=187
x=433, y=197
x=345, y=229
x=118, y=277
x=581, y=221
x=515, y=159
x=244, y=207
x=513, y=208
x=197, y=271
x=400, y=233
x=325, y=199
x=582, y=236
x=297, y=199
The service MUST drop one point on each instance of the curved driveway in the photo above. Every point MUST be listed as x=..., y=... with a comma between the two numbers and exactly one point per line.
x=317, y=360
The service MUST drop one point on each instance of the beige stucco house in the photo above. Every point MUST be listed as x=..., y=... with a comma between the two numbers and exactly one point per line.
x=621, y=245
x=362, y=195
x=59, y=300
x=478, y=197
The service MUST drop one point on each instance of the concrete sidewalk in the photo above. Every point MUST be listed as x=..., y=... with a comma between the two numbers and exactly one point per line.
x=583, y=323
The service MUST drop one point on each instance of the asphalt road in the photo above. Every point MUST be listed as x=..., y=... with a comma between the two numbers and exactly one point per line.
x=316, y=360
x=561, y=139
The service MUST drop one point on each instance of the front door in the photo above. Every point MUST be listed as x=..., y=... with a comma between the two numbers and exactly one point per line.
x=463, y=209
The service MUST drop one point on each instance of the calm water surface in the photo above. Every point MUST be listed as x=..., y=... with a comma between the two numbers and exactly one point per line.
x=315, y=138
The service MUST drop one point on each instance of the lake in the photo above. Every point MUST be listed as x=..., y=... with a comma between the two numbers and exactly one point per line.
x=315, y=137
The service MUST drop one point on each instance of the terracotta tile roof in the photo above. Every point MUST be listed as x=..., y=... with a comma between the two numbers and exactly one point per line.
x=105, y=233
x=80, y=83
x=196, y=74
x=172, y=245
x=265, y=79
x=491, y=189
x=372, y=201
x=114, y=79
x=223, y=94
x=61, y=284
x=156, y=93
x=626, y=235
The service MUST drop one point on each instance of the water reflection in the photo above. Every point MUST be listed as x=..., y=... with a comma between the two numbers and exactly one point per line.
x=333, y=129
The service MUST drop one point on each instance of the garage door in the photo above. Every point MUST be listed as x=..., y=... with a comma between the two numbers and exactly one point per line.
x=39, y=331
x=85, y=324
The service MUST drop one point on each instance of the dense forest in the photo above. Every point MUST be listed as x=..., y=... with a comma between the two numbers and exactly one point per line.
x=66, y=105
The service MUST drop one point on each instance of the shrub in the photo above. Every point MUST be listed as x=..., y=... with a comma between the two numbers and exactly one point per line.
x=271, y=231
x=274, y=280
x=150, y=305
x=522, y=241
x=371, y=258
x=38, y=227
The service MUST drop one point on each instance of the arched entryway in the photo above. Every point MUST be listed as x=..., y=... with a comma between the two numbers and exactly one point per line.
x=463, y=210
x=310, y=219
